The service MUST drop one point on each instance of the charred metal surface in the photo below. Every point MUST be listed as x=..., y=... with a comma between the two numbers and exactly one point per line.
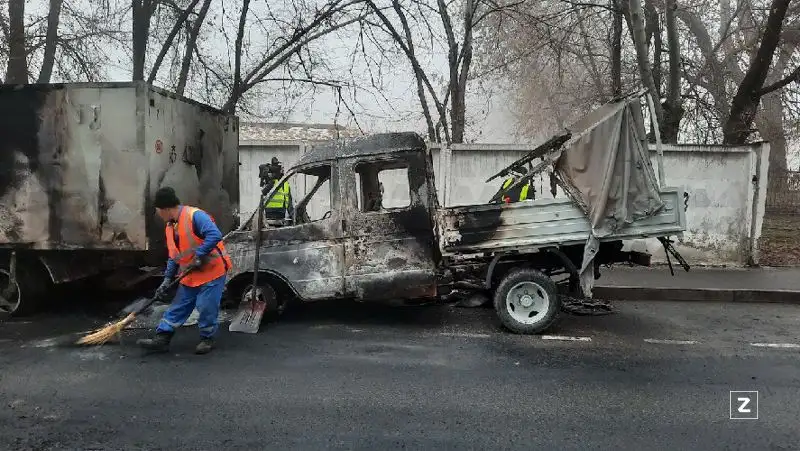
x=368, y=255
x=76, y=265
x=390, y=253
x=379, y=144
x=543, y=222
x=518, y=166
x=309, y=257
x=78, y=164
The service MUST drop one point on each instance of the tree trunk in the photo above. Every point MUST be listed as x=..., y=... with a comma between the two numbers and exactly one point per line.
x=191, y=42
x=51, y=41
x=142, y=13
x=616, y=50
x=640, y=42
x=744, y=107
x=236, y=91
x=17, y=69
x=176, y=28
x=770, y=126
x=459, y=106
x=673, y=108
x=653, y=29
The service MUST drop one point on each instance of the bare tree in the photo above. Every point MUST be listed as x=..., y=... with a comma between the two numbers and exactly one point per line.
x=177, y=26
x=143, y=11
x=292, y=34
x=746, y=101
x=673, y=107
x=412, y=23
x=51, y=41
x=191, y=43
x=17, y=70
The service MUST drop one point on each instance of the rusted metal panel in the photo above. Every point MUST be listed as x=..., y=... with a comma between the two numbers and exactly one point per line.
x=543, y=222
x=80, y=162
x=309, y=257
x=375, y=145
x=391, y=252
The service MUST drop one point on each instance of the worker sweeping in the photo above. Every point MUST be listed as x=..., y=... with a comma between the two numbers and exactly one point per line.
x=194, y=244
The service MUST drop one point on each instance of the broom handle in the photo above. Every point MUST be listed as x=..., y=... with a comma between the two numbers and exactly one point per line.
x=155, y=298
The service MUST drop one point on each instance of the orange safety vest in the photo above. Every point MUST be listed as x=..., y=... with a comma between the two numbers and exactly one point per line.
x=183, y=253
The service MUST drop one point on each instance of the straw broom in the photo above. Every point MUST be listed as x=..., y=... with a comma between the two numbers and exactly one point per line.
x=108, y=332
x=114, y=329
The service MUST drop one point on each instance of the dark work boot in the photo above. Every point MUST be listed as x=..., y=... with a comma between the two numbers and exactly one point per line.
x=205, y=346
x=159, y=343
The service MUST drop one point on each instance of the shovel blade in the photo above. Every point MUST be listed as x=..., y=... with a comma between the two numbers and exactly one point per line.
x=248, y=318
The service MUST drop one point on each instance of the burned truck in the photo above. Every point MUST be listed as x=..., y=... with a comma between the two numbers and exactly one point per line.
x=346, y=242
x=79, y=164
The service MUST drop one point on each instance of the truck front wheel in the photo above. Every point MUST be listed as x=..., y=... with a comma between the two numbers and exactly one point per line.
x=526, y=301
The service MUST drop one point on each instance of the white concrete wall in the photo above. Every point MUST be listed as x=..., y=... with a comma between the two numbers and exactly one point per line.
x=725, y=208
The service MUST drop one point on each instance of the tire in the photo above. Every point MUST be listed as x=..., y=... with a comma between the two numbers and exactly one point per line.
x=528, y=286
x=29, y=294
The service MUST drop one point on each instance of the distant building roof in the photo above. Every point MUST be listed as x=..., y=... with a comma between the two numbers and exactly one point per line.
x=286, y=131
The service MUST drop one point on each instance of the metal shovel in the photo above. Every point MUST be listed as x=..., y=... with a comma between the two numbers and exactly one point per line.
x=251, y=310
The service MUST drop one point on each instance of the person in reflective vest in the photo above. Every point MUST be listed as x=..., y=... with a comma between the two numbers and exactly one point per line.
x=279, y=205
x=195, y=244
x=519, y=194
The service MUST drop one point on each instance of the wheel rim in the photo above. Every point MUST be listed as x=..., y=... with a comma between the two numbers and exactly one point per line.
x=10, y=294
x=527, y=302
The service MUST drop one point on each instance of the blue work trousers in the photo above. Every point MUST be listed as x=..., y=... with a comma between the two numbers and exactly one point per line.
x=205, y=297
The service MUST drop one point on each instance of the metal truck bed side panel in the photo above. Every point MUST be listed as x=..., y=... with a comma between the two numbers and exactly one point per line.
x=543, y=222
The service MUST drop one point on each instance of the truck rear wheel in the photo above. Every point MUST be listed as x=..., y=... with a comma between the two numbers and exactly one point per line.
x=526, y=301
x=25, y=294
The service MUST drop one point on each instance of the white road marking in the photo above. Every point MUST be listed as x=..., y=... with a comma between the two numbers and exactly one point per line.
x=464, y=335
x=776, y=345
x=670, y=342
x=565, y=338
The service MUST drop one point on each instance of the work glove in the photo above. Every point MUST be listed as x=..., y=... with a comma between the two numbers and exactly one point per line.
x=161, y=291
x=198, y=262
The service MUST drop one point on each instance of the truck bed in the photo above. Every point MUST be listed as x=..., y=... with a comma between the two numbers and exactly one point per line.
x=493, y=228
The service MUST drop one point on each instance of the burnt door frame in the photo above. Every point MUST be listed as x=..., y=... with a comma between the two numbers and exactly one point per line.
x=388, y=254
x=310, y=256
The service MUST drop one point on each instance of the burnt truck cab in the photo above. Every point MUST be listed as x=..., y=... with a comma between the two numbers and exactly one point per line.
x=345, y=240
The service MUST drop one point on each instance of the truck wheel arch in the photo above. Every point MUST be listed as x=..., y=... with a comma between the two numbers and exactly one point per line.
x=493, y=277
x=278, y=282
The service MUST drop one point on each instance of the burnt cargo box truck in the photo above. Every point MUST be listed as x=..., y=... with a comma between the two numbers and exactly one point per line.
x=79, y=166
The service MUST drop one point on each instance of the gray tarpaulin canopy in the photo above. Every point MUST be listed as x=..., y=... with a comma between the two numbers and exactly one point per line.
x=603, y=163
x=606, y=168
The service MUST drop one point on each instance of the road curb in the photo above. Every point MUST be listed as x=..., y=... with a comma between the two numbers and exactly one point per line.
x=628, y=293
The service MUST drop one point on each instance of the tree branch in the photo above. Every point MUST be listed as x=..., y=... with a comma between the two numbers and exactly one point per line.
x=184, y=15
x=794, y=76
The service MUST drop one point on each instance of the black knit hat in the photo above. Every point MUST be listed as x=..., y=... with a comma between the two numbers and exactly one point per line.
x=166, y=198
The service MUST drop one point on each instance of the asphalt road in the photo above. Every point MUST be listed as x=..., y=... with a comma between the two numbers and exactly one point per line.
x=652, y=376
